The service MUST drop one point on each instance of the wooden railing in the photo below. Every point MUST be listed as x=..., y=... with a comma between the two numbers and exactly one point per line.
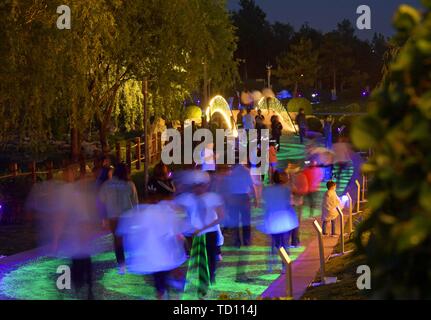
x=134, y=155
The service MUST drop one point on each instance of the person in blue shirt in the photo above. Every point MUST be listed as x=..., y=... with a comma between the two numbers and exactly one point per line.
x=327, y=130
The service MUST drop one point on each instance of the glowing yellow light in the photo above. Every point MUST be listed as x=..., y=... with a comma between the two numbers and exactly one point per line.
x=218, y=104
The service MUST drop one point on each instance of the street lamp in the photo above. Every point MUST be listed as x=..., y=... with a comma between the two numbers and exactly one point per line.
x=245, y=67
x=269, y=68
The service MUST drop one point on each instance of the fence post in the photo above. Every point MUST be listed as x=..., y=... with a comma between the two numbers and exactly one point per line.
x=319, y=231
x=183, y=137
x=118, y=152
x=364, y=186
x=160, y=145
x=82, y=166
x=129, y=155
x=289, y=277
x=138, y=153
x=49, y=167
x=153, y=148
x=33, y=171
x=13, y=168
x=350, y=213
x=340, y=212
x=358, y=200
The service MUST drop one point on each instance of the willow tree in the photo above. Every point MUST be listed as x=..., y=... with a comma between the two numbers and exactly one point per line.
x=76, y=76
x=396, y=234
x=50, y=75
x=171, y=41
x=30, y=92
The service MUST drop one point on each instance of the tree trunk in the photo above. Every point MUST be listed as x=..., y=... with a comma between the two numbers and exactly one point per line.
x=75, y=144
x=106, y=121
x=103, y=137
x=295, y=91
x=335, y=81
x=146, y=140
x=342, y=85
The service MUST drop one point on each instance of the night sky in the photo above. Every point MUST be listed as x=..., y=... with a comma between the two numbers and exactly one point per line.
x=324, y=14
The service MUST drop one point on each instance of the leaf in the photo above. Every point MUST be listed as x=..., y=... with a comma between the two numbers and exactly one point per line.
x=366, y=133
x=425, y=197
x=406, y=18
x=424, y=104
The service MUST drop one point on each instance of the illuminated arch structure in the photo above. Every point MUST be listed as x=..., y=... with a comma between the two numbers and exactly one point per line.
x=274, y=105
x=219, y=105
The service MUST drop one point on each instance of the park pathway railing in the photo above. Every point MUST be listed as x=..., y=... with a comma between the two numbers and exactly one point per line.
x=132, y=152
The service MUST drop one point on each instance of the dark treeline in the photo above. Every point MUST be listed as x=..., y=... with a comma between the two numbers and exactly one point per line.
x=305, y=59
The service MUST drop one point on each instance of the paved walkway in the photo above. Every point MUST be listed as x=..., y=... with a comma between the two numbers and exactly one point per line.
x=307, y=265
x=304, y=270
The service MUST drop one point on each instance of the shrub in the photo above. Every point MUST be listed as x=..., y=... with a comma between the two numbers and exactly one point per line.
x=297, y=103
x=396, y=236
x=193, y=112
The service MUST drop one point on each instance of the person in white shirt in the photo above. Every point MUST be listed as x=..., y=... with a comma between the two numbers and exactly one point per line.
x=329, y=207
x=240, y=187
x=154, y=242
x=208, y=158
x=205, y=211
x=118, y=195
x=249, y=121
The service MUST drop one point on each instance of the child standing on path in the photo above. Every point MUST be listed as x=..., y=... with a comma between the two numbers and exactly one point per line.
x=329, y=208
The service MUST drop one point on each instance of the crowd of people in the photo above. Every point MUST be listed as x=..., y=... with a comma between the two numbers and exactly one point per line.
x=187, y=216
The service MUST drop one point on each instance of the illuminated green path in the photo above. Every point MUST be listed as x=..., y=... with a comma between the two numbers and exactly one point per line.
x=292, y=151
x=37, y=279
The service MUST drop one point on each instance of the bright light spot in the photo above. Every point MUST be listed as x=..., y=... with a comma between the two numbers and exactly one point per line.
x=219, y=105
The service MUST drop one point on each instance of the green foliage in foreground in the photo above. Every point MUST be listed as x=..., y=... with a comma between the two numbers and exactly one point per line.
x=397, y=129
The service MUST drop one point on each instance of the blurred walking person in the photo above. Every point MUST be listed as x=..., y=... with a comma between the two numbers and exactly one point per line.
x=248, y=121
x=75, y=228
x=301, y=121
x=276, y=131
x=161, y=184
x=208, y=158
x=343, y=156
x=118, y=195
x=327, y=131
x=205, y=211
x=280, y=217
x=314, y=176
x=154, y=242
x=241, y=190
x=298, y=184
x=273, y=160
